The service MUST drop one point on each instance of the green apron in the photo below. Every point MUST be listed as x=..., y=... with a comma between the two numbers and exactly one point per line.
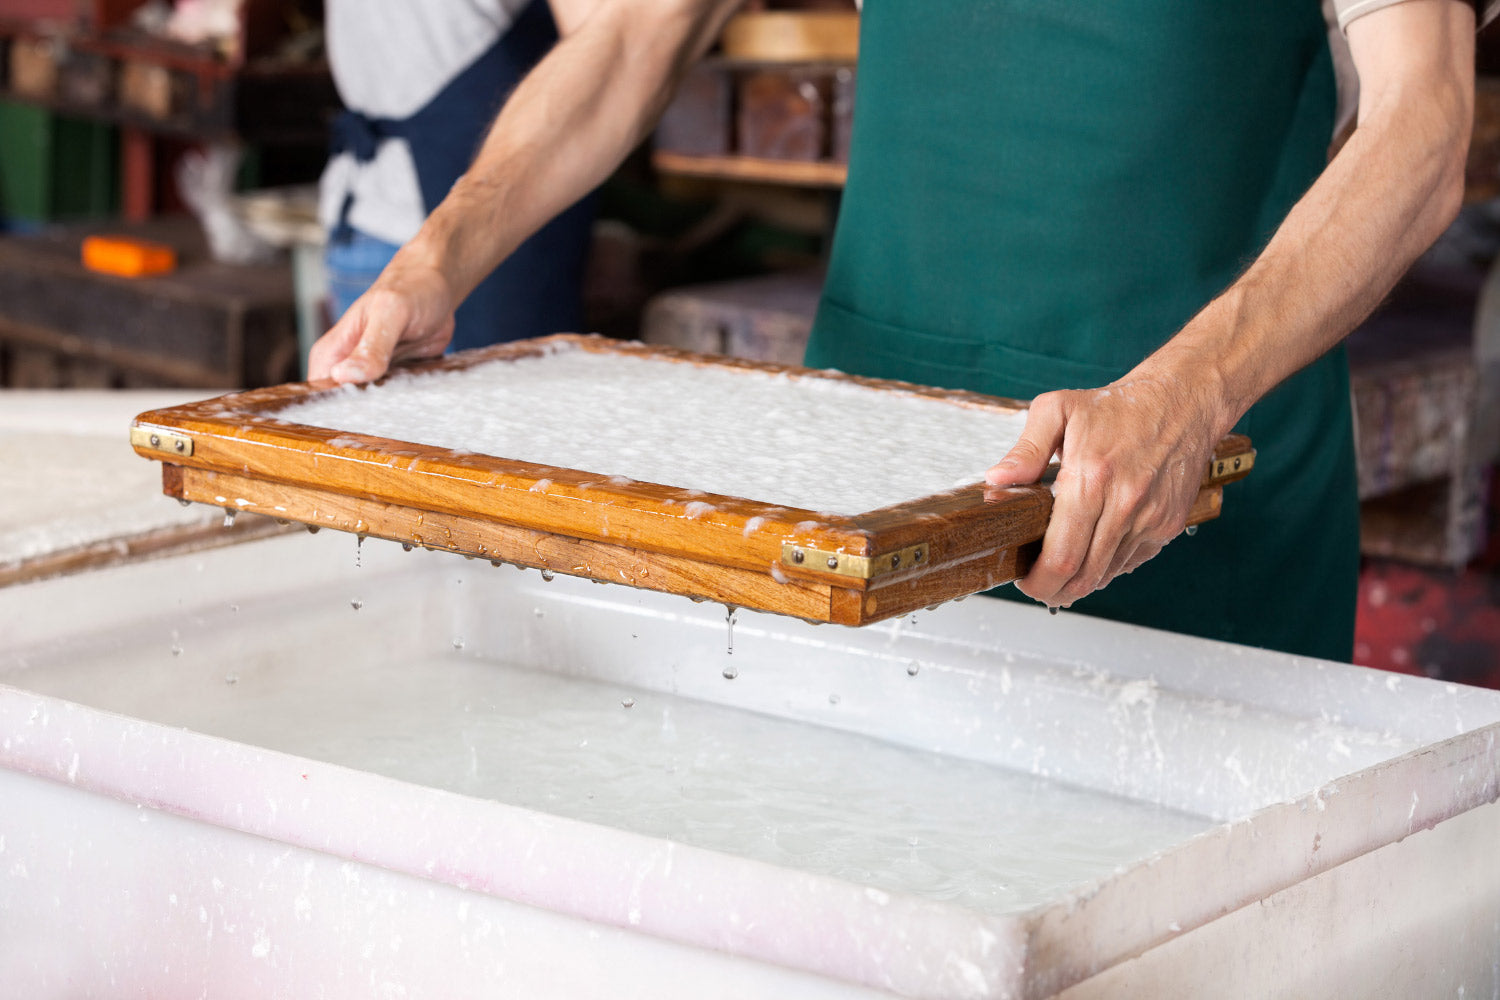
x=1041, y=194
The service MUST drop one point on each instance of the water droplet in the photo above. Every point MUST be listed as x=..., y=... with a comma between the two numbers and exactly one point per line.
x=406, y=546
x=176, y=649
x=312, y=529
x=729, y=612
x=1190, y=530
x=496, y=563
x=547, y=575
x=911, y=842
x=356, y=604
x=231, y=679
x=628, y=702
x=458, y=642
x=539, y=612
x=229, y=516
x=731, y=672
x=235, y=608
x=185, y=503
x=1053, y=611
x=913, y=668
x=833, y=699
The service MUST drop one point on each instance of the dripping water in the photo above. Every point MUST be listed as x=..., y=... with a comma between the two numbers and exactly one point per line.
x=229, y=516
x=729, y=614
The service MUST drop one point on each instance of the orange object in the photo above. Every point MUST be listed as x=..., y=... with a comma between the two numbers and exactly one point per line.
x=127, y=256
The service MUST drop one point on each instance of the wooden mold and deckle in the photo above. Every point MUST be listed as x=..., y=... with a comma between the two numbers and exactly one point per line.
x=235, y=453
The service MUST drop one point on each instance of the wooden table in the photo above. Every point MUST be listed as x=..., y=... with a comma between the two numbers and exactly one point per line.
x=207, y=324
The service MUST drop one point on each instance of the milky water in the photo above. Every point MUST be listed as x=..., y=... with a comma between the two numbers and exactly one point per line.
x=791, y=794
x=808, y=443
x=80, y=489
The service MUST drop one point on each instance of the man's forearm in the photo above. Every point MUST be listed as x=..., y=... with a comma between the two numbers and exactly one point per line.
x=1391, y=191
x=566, y=127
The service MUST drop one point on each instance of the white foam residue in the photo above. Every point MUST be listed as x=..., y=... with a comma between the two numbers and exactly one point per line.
x=807, y=443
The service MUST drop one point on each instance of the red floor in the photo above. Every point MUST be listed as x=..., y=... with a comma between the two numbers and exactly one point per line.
x=1435, y=623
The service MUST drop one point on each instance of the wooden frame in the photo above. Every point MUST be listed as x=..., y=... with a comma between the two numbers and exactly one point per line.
x=235, y=453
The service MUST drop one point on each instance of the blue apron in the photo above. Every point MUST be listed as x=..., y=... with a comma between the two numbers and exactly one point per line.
x=537, y=289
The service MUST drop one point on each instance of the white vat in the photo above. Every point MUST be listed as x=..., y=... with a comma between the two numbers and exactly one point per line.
x=220, y=778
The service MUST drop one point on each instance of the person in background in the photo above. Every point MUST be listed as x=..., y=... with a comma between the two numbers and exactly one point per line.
x=421, y=84
x=1125, y=209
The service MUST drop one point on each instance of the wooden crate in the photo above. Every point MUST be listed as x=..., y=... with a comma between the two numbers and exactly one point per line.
x=778, y=112
x=851, y=570
x=785, y=114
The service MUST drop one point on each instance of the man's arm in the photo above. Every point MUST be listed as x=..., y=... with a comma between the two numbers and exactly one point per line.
x=1133, y=452
x=569, y=123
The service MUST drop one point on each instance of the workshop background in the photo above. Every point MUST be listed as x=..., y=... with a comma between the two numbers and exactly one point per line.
x=203, y=125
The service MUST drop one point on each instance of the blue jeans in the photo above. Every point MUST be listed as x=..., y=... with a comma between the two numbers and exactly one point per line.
x=354, y=260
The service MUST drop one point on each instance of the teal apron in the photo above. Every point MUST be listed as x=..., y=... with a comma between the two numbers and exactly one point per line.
x=1041, y=194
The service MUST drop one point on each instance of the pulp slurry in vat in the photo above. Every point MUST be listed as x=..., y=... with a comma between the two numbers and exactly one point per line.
x=791, y=794
x=809, y=443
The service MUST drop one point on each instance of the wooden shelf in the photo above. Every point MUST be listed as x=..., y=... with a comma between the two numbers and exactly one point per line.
x=745, y=168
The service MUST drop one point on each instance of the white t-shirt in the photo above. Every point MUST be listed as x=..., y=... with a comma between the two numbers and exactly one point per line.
x=389, y=58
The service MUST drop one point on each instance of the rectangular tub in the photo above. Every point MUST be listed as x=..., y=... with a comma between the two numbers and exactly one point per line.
x=292, y=768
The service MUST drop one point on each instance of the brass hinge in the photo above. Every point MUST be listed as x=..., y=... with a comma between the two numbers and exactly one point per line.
x=1230, y=467
x=847, y=564
x=162, y=440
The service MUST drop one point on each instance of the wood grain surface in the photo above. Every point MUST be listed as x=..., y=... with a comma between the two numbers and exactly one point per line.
x=569, y=521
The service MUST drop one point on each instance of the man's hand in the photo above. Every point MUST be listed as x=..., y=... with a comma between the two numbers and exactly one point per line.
x=406, y=314
x=1132, y=458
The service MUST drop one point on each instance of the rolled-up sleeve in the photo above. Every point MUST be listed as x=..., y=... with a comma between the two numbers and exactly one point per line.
x=1349, y=10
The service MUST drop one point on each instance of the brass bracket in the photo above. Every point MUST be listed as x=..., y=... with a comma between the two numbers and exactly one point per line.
x=847, y=564
x=162, y=440
x=1230, y=467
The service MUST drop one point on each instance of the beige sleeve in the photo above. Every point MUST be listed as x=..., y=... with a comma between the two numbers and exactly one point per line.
x=1348, y=10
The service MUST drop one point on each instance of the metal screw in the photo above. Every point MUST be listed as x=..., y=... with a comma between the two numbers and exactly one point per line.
x=1236, y=465
x=833, y=562
x=156, y=440
x=916, y=556
x=798, y=556
x=895, y=560
x=180, y=445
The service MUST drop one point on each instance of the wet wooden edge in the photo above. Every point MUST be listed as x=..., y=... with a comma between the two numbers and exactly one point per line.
x=155, y=544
